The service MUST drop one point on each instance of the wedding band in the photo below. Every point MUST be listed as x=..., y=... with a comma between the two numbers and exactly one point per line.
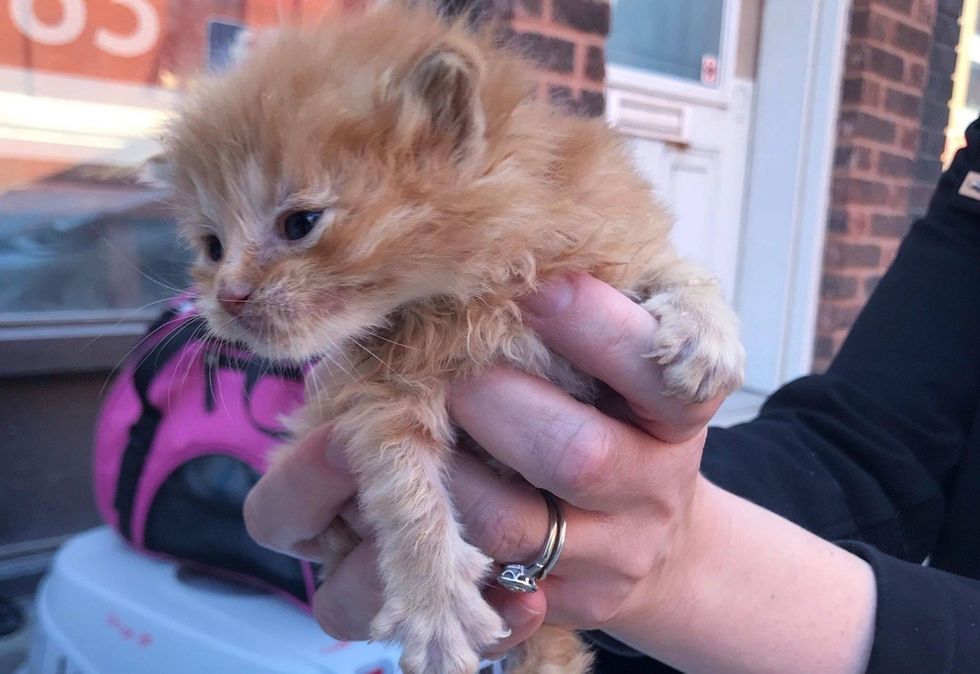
x=524, y=577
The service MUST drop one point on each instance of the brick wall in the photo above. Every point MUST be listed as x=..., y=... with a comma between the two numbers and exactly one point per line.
x=899, y=60
x=567, y=40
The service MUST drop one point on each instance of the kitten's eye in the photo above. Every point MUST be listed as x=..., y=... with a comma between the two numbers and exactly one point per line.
x=298, y=224
x=212, y=245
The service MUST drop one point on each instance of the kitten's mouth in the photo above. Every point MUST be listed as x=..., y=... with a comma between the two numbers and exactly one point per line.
x=260, y=334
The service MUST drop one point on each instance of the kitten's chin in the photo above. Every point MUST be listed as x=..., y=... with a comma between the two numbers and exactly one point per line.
x=266, y=341
x=283, y=348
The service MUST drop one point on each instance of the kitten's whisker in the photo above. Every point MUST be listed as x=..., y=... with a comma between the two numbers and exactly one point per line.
x=380, y=360
x=390, y=341
x=190, y=354
x=122, y=320
x=135, y=347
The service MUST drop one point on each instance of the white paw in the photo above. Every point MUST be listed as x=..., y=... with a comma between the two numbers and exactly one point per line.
x=698, y=346
x=442, y=622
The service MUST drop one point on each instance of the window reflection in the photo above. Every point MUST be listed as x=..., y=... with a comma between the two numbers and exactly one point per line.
x=677, y=38
x=84, y=87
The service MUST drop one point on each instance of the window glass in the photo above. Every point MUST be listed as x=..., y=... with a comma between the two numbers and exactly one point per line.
x=677, y=38
x=85, y=86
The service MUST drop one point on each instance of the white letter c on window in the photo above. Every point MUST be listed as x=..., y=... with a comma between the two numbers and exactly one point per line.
x=140, y=40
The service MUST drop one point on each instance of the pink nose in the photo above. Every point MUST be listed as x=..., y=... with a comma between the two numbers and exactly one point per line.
x=233, y=298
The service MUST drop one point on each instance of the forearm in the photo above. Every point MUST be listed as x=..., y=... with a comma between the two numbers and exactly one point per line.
x=764, y=593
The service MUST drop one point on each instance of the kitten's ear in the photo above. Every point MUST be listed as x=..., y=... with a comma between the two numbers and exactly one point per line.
x=447, y=84
x=157, y=171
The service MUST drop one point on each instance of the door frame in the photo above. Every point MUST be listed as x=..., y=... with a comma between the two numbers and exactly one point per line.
x=787, y=201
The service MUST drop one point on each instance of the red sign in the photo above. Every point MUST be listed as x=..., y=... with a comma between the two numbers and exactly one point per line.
x=709, y=70
x=137, y=41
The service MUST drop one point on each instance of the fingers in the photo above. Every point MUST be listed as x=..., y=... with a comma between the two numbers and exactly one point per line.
x=606, y=335
x=506, y=519
x=556, y=443
x=347, y=601
x=299, y=497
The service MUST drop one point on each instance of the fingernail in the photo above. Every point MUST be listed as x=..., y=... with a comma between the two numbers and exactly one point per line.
x=551, y=298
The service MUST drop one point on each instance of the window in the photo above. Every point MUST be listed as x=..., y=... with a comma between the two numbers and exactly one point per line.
x=675, y=38
x=86, y=251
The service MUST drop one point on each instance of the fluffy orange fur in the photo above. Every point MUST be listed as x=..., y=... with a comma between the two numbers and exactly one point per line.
x=445, y=194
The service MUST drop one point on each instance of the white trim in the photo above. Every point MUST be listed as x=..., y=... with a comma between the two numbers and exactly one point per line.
x=798, y=85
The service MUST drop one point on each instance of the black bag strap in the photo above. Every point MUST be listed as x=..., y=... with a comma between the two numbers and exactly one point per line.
x=255, y=369
x=142, y=432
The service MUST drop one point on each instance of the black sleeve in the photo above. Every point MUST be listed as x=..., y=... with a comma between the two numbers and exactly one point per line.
x=926, y=620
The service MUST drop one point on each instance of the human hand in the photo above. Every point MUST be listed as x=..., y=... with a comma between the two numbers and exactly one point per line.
x=628, y=478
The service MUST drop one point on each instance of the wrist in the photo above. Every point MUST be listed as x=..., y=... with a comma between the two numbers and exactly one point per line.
x=662, y=600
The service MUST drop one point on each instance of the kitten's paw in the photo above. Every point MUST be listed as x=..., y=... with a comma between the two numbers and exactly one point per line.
x=442, y=631
x=444, y=639
x=698, y=346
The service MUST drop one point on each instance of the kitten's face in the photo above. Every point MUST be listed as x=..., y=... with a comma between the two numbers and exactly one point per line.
x=318, y=184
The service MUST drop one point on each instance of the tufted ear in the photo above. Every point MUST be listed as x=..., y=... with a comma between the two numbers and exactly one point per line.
x=446, y=83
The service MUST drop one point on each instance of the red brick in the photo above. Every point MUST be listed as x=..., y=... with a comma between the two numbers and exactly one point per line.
x=595, y=64
x=904, y=6
x=917, y=76
x=591, y=103
x=834, y=317
x=880, y=27
x=841, y=255
x=889, y=225
x=861, y=124
x=548, y=53
x=589, y=16
x=837, y=222
x=859, y=23
x=901, y=103
x=886, y=63
x=894, y=165
x=562, y=97
x=824, y=348
x=912, y=40
x=835, y=287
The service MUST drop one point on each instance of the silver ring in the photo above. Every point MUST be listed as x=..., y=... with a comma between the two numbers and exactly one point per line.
x=524, y=577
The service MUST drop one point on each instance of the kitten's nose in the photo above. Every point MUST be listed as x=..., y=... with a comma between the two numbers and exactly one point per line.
x=233, y=296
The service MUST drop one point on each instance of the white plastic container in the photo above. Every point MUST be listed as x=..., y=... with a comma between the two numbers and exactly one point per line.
x=105, y=609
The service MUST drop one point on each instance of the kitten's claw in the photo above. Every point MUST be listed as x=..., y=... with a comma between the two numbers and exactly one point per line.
x=698, y=346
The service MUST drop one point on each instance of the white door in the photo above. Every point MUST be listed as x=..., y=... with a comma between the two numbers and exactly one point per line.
x=672, y=88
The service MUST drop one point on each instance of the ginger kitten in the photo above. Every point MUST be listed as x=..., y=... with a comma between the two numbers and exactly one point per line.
x=377, y=193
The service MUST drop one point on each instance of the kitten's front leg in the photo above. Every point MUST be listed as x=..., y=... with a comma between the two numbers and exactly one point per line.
x=433, y=607
x=697, y=341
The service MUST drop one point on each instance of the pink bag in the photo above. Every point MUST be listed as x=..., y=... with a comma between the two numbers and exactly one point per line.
x=182, y=435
